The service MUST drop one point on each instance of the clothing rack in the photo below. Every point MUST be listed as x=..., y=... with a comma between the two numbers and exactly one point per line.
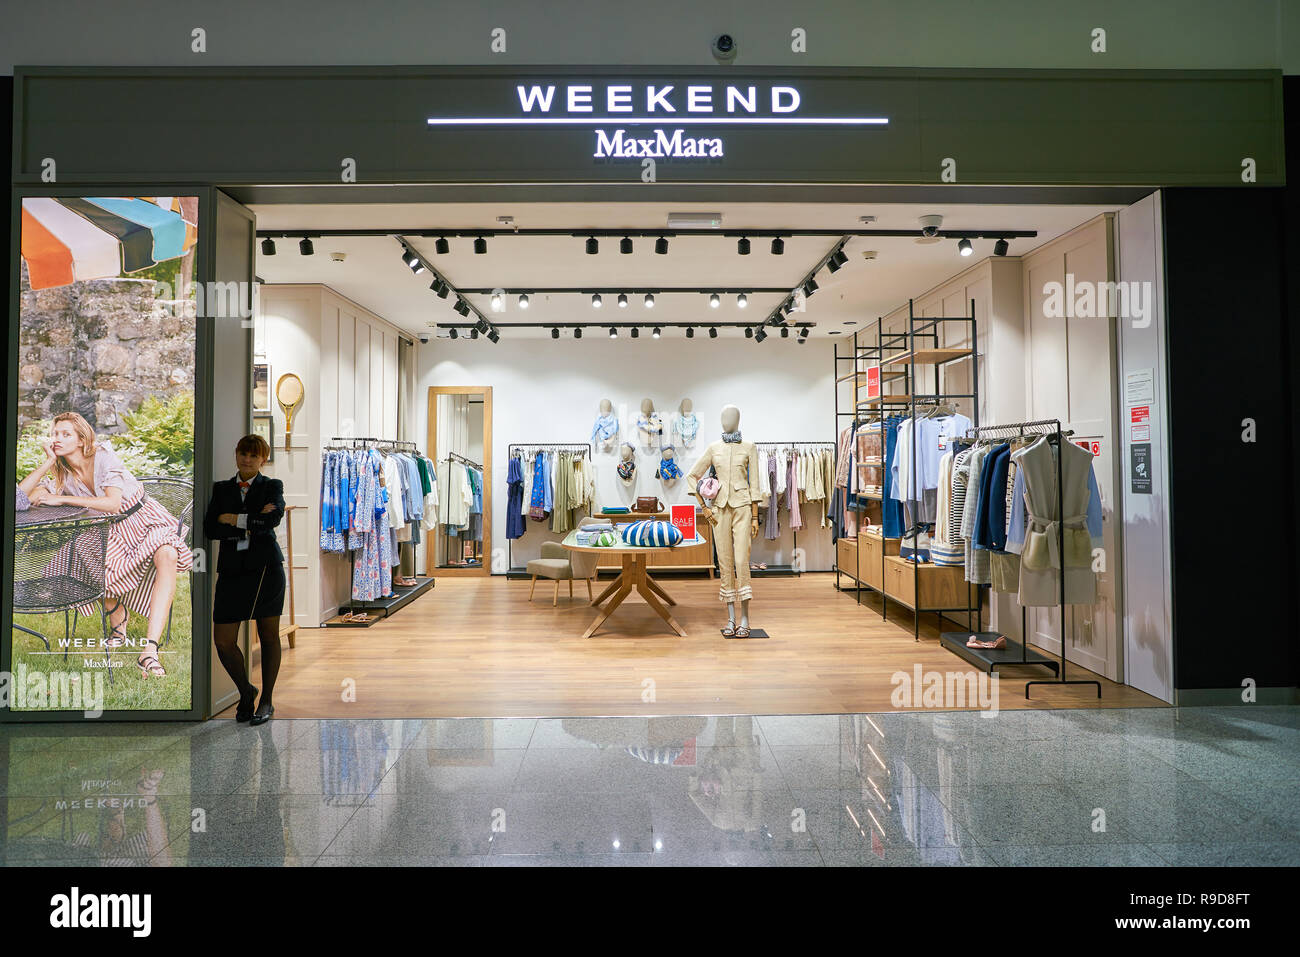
x=794, y=534
x=381, y=607
x=584, y=449
x=445, y=498
x=991, y=658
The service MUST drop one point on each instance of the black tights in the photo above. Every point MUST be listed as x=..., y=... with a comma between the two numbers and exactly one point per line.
x=226, y=638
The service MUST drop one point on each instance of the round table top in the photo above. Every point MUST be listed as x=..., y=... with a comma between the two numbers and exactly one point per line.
x=48, y=514
x=622, y=548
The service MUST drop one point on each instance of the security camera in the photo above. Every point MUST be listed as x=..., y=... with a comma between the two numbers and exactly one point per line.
x=930, y=225
x=424, y=338
x=724, y=47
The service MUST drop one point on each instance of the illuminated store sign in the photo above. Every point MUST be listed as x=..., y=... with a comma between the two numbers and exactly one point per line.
x=614, y=107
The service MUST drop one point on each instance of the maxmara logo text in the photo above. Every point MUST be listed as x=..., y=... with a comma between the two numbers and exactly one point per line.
x=656, y=120
x=731, y=101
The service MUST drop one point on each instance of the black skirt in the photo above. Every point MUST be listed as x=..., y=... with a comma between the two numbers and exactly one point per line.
x=249, y=595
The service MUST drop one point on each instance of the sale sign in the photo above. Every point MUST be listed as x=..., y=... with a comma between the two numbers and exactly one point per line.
x=683, y=516
x=873, y=382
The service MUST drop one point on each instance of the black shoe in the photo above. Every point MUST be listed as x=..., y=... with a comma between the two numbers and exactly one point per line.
x=261, y=716
x=244, y=712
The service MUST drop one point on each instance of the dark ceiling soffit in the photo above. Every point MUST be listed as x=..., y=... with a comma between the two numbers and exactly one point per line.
x=680, y=193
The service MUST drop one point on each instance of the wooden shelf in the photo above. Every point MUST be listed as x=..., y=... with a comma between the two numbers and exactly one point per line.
x=926, y=357
x=887, y=400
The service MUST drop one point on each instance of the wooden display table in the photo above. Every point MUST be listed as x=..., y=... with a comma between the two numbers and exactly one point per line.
x=685, y=557
x=635, y=560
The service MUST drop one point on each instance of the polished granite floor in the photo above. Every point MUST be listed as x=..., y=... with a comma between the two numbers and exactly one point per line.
x=1217, y=786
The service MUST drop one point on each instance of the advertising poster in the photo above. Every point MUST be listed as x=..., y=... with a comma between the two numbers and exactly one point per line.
x=105, y=465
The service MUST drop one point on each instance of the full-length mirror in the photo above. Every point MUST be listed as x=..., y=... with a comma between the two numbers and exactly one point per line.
x=460, y=434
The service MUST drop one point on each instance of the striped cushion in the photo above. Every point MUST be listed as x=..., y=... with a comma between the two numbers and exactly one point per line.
x=656, y=534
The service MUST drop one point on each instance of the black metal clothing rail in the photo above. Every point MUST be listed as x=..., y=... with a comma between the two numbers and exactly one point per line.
x=584, y=448
x=446, y=499
x=1051, y=430
x=794, y=447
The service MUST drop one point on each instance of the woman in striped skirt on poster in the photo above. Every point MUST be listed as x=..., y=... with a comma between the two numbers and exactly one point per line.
x=146, y=551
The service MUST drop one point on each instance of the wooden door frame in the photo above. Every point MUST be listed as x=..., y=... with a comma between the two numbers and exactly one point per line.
x=431, y=568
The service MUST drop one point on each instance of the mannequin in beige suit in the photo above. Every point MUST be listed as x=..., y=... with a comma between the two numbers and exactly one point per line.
x=736, y=507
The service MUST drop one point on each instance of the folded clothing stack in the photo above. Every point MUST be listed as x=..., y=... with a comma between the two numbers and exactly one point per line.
x=590, y=536
x=615, y=510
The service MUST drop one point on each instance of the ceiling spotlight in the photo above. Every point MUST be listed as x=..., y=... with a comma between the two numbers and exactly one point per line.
x=408, y=257
x=803, y=333
x=742, y=246
x=636, y=333
x=778, y=246
x=649, y=300
x=742, y=301
x=443, y=290
x=837, y=260
x=305, y=247
x=622, y=300
x=749, y=332
x=480, y=246
x=433, y=286
x=832, y=265
x=785, y=332
x=482, y=325
x=523, y=300
x=657, y=333
x=810, y=287
x=625, y=246
x=841, y=257
x=555, y=332
x=593, y=246
x=760, y=335
x=596, y=301
x=1000, y=247
x=454, y=332
x=494, y=336
x=442, y=247
x=417, y=267
x=690, y=332
x=714, y=301
x=497, y=303
x=713, y=332
x=473, y=333
x=661, y=246
x=577, y=332
x=268, y=246
x=965, y=248
x=613, y=332
x=462, y=307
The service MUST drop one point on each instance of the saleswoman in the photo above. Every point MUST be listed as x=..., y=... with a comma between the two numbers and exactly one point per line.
x=145, y=549
x=243, y=513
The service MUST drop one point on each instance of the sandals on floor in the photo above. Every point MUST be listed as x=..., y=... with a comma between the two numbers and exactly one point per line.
x=742, y=632
x=974, y=642
x=729, y=630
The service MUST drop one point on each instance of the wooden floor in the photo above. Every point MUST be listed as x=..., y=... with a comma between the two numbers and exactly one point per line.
x=476, y=647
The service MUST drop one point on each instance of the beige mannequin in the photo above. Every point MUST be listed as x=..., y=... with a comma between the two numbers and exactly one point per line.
x=685, y=426
x=626, y=469
x=736, y=506
x=605, y=432
x=649, y=426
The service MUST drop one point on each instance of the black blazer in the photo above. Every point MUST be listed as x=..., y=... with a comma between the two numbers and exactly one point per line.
x=263, y=549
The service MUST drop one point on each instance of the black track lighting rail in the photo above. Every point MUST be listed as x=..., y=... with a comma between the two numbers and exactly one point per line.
x=604, y=233
x=647, y=324
x=632, y=291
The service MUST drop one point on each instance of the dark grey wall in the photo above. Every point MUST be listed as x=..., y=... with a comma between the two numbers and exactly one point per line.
x=1153, y=34
x=1233, y=503
x=231, y=127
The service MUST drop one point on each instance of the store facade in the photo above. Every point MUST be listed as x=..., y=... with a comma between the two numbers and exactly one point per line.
x=216, y=140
